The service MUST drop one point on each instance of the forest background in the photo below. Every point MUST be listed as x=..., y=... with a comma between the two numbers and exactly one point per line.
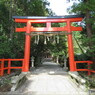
x=12, y=43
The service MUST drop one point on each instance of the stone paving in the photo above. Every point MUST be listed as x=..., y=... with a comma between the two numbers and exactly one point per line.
x=50, y=79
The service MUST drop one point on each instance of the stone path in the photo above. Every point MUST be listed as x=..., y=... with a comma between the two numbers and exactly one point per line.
x=50, y=79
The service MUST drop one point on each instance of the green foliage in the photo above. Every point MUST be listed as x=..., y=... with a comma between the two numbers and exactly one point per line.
x=87, y=39
x=59, y=48
x=12, y=43
x=51, y=47
x=82, y=7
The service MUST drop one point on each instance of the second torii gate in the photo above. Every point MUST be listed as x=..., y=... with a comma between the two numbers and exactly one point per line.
x=29, y=20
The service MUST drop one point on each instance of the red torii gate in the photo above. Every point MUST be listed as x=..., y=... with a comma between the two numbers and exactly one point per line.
x=29, y=20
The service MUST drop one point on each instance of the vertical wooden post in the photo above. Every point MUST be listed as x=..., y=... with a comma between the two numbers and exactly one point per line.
x=2, y=67
x=27, y=48
x=70, y=47
x=9, y=66
x=89, y=71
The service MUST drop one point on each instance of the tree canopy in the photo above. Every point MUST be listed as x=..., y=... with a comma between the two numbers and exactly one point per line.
x=12, y=43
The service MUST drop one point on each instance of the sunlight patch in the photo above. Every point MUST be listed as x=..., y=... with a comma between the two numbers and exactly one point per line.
x=51, y=72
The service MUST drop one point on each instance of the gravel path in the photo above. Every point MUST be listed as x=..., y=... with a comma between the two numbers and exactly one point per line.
x=50, y=79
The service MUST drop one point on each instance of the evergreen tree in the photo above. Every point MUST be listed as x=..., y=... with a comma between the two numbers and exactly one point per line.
x=86, y=7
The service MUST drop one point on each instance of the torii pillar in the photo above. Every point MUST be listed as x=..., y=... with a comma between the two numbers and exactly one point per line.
x=70, y=47
x=27, y=48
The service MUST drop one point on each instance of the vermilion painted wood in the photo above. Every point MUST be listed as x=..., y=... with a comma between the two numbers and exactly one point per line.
x=92, y=71
x=48, y=20
x=28, y=29
x=16, y=68
x=2, y=67
x=11, y=59
x=9, y=65
x=70, y=48
x=44, y=29
x=41, y=29
x=81, y=69
x=27, y=48
x=88, y=69
x=6, y=68
x=84, y=62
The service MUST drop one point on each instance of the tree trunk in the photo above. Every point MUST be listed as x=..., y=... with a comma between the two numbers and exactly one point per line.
x=89, y=33
x=11, y=13
x=88, y=25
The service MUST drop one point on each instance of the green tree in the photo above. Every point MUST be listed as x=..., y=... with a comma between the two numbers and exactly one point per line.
x=87, y=7
x=13, y=42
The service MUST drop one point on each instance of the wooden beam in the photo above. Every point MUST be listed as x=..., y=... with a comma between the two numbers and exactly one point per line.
x=48, y=20
x=44, y=29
